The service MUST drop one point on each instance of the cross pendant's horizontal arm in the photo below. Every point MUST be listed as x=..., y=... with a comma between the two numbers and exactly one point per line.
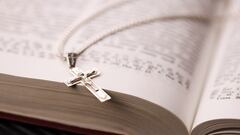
x=73, y=81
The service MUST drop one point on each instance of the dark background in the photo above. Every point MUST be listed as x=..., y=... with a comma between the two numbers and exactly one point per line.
x=8, y=127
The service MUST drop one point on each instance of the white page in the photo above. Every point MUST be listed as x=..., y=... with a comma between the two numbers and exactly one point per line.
x=221, y=98
x=156, y=62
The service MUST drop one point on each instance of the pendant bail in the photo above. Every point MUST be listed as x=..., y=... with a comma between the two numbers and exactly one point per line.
x=72, y=59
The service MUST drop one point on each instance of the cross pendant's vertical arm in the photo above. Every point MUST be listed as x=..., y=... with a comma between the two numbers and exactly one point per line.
x=98, y=92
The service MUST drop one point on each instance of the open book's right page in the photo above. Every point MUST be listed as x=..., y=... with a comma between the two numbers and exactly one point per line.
x=221, y=97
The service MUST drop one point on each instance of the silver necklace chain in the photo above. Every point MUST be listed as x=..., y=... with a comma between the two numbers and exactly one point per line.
x=72, y=29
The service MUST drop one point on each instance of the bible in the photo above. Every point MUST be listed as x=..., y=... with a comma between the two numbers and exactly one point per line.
x=172, y=77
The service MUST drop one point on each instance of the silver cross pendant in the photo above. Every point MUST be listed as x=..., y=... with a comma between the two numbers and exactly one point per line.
x=85, y=79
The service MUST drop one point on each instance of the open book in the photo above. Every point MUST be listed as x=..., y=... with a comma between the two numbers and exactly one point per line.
x=176, y=77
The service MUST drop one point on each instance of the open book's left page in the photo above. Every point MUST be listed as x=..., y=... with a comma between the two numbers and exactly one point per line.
x=156, y=62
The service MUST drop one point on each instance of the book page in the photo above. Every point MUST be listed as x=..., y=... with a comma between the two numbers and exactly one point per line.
x=221, y=98
x=157, y=62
